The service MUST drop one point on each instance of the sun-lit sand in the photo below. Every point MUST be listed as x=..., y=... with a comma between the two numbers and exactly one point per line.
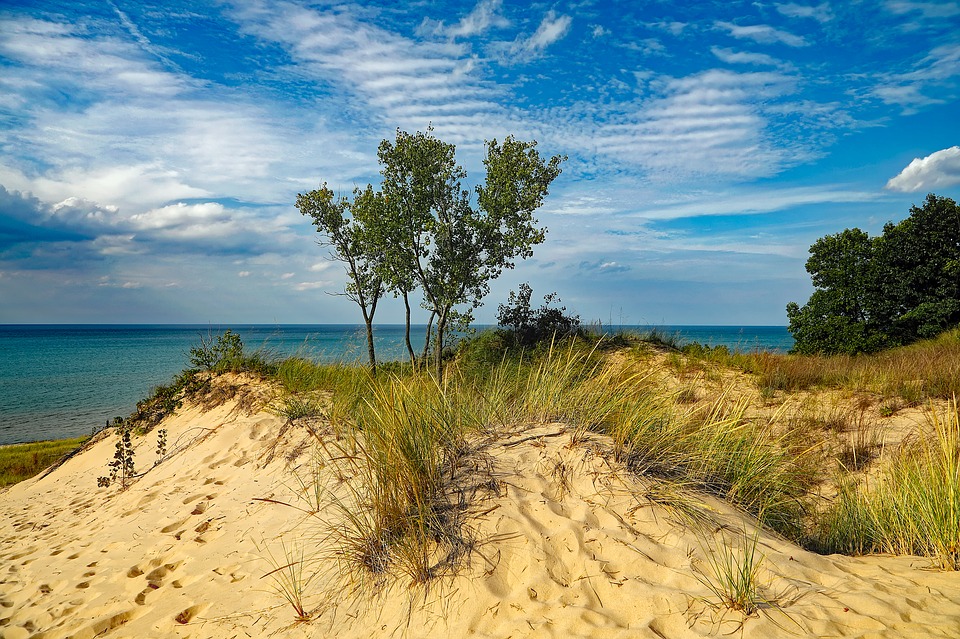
x=568, y=544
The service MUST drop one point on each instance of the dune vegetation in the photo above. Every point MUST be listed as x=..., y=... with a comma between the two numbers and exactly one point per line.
x=819, y=458
x=680, y=462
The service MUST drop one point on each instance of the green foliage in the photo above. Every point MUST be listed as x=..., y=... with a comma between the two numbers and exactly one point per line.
x=526, y=326
x=22, y=461
x=890, y=290
x=218, y=353
x=342, y=224
x=422, y=231
x=166, y=399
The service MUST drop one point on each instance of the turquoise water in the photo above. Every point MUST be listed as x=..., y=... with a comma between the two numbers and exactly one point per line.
x=64, y=381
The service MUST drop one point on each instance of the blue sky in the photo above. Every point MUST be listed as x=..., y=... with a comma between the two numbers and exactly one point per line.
x=152, y=152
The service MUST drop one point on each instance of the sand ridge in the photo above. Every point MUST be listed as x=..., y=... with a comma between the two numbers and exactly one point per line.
x=568, y=544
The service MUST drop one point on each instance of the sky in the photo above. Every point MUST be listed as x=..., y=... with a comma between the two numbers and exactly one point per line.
x=152, y=152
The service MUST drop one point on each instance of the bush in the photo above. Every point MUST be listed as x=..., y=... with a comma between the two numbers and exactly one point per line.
x=217, y=353
x=526, y=326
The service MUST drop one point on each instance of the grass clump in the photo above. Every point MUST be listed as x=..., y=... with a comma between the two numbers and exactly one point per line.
x=732, y=573
x=22, y=461
x=912, y=507
x=409, y=436
x=713, y=447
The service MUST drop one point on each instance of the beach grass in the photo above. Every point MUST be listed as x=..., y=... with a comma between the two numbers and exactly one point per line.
x=912, y=507
x=22, y=461
x=914, y=373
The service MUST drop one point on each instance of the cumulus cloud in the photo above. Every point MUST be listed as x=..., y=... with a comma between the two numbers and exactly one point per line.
x=936, y=171
x=552, y=28
x=762, y=33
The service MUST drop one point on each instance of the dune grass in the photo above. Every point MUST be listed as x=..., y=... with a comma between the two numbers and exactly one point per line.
x=927, y=369
x=912, y=506
x=401, y=439
x=22, y=461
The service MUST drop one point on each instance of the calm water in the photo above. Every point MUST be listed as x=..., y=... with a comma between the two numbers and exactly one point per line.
x=63, y=381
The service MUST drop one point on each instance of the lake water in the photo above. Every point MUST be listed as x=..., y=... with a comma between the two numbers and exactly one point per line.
x=65, y=380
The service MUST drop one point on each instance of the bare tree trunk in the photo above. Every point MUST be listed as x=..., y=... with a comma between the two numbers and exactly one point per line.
x=441, y=327
x=426, y=341
x=368, y=320
x=406, y=335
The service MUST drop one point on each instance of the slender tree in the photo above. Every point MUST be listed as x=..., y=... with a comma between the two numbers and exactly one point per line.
x=452, y=248
x=339, y=221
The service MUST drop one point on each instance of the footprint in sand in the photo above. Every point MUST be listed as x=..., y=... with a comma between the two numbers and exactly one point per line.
x=171, y=527
x=186, y=616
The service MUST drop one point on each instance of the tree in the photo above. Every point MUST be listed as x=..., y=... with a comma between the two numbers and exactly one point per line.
x=874, y=293
x=340, y=222
x=452, y=248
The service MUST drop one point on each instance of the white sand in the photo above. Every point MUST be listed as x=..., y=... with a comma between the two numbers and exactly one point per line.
x=572, y=547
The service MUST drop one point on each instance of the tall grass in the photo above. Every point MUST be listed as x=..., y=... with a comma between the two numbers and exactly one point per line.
x=716, y=448
x=733, y=572
x=409, y=435
x=912, y=506
x=928, y=369
x=22, y=461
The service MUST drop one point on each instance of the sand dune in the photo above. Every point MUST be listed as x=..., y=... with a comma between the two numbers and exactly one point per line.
x=568, y=544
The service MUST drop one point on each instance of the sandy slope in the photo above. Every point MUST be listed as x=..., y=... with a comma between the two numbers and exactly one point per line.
x=571, y=546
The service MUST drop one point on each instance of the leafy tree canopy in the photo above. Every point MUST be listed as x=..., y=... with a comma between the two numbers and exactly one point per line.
x=889, y=290
x=422, y=231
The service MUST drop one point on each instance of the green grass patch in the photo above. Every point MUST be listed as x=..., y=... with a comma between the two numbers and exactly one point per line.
x=912, y=507
x=23, y=461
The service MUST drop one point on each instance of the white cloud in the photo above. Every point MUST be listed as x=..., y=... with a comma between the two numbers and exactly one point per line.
x=936, y=171
x=674, y=28
x=763, y=34
x=552, y=28
x=598, y=31
x=704, y=125
x=484, y=16
x=309, y=286
x=243, y=274
x=927, y=10
x=741, y=57
x=820, y=13
x=752, y=202
x=922, y=86
x=380, y=76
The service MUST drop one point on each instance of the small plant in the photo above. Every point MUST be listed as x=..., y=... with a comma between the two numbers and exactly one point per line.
x=161, y=445
x=294, y=407
x=889, y=409
x=289, y=580
x=527, y=326
x=121, y=466
x=732, y=573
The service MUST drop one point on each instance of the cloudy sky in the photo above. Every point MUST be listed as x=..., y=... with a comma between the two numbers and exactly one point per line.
x=152, y=152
